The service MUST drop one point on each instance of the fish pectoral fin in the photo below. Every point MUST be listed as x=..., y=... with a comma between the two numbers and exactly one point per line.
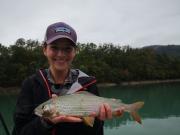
x=88, y=120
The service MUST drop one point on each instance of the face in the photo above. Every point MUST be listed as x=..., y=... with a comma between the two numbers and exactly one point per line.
x=60, y=54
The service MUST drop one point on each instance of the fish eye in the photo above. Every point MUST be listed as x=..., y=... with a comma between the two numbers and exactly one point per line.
x=45, y=107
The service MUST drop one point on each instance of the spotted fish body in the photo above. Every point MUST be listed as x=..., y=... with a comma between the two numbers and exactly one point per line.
x=83, y=104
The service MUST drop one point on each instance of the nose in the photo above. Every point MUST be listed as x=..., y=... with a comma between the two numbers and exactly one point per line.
x=61, y=53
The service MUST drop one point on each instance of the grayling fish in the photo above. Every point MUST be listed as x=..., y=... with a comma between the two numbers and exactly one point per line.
x=83, y=104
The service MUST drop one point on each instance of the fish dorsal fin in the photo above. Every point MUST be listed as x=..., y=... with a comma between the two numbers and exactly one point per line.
x=88, y=120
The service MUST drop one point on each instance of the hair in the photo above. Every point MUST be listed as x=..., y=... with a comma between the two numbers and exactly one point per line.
x=44, y=45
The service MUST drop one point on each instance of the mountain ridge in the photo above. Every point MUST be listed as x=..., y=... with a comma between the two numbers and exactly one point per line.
x=172, y=50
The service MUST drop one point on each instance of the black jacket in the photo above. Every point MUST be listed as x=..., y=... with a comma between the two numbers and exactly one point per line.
x=33, y=93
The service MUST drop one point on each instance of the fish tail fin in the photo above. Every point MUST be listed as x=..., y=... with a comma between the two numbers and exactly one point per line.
x=136, y=117
x=133, y=110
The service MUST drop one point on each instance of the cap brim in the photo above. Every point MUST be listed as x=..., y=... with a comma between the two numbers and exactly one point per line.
x=59, y=37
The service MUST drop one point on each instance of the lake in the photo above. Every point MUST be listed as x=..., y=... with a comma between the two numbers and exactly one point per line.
x=160, y=114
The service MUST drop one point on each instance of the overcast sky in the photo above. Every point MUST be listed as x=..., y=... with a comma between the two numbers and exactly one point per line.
x=134, y=22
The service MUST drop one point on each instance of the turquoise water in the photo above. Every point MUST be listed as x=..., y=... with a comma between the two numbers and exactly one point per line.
x=7, y=104
x=160, y=114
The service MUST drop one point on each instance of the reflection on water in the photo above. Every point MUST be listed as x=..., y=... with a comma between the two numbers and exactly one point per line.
x=161, y=110
x=166, y=126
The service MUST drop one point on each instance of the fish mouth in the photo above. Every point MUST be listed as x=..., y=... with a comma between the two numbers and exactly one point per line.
x=38, y=113
x=44, y=114
x=47, y=114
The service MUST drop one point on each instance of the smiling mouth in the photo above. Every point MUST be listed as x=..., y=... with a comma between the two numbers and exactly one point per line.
x=60, y=60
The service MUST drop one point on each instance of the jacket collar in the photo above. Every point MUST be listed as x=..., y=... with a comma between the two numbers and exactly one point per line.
x=81, y=83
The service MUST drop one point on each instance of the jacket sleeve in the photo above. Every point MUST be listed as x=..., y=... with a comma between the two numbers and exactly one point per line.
x=93, y=89
x=25, y=122
x=98, y=125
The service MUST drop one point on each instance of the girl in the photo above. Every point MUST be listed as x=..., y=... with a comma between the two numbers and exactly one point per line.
x=59, y=79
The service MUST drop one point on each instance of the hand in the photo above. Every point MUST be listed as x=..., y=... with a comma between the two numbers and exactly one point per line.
x=63, y=118
x=105, y=112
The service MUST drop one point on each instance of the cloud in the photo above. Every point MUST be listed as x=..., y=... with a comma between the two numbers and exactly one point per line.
x=133, y=22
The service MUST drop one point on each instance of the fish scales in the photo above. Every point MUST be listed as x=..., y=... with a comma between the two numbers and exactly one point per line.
x=83, y=104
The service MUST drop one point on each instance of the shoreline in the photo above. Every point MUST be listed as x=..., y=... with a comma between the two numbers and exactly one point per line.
x=15, y=90
x=126, y=83
x=150, y=82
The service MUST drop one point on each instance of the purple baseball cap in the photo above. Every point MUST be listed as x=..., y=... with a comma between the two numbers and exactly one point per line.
x=60, y=30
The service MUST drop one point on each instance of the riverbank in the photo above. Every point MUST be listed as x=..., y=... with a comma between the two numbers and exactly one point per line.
x=15, y=90
x=138, y=82
x=149, y=82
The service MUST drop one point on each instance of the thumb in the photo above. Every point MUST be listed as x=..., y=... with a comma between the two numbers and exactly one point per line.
x=54, y=96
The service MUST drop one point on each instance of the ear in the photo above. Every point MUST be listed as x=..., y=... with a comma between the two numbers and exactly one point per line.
x=74, y=52
x=76, y=49
x=45, y=50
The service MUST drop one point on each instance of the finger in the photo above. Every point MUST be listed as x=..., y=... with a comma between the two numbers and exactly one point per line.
x=102, y=112
x=54, y=95
x=56, y=119
x=66, y=119
x=122, y=109
x=71, y=119
x=93, y=114
x=108, y=111
x=119, y=111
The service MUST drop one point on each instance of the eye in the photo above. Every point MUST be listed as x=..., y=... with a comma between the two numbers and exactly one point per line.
x=54, y=47
x=68, y=49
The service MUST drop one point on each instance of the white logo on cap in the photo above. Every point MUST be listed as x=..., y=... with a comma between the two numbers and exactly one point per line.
x=63, y=29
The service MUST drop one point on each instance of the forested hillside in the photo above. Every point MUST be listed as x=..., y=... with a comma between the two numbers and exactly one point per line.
x=109, y=63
